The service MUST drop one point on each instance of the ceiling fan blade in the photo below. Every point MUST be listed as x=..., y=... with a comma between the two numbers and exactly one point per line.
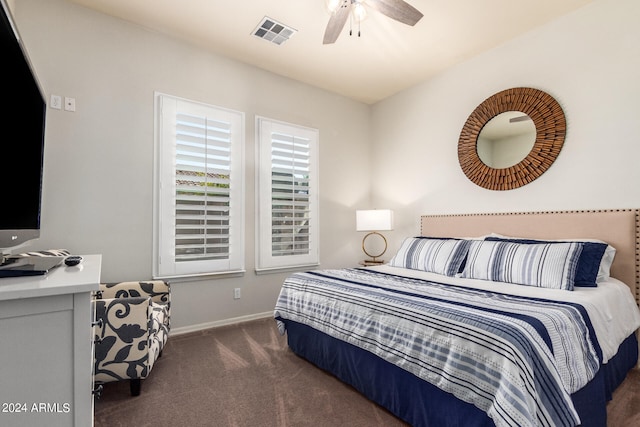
x=397, y=9
x=336, y=23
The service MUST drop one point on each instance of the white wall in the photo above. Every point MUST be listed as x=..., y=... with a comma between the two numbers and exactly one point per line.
x=99, y=160
x=588, y=60
x=98, y=165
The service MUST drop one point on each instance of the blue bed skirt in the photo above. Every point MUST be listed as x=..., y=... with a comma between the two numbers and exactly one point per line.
x=422, y=404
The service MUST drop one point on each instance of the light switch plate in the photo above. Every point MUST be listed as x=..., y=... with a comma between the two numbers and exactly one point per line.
x=56, y=102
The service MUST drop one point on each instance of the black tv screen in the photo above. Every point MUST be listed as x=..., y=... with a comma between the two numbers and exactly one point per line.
x=22, y=119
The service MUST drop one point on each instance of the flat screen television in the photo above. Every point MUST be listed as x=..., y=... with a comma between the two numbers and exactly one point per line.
x=22, y=120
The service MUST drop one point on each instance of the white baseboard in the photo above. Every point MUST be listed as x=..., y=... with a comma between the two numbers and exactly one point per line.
x=218, y=323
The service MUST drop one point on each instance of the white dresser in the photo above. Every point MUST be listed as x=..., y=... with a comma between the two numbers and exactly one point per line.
x=46, y=347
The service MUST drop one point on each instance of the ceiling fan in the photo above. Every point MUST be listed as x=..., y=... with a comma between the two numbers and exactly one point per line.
x=341, y=9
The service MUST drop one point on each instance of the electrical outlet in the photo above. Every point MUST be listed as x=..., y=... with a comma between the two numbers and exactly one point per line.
x=236, y=293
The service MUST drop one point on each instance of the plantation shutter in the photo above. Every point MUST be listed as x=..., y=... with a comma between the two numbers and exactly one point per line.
x=201, y=189
x=290, y=204
x=288, y=214
x=203, y=166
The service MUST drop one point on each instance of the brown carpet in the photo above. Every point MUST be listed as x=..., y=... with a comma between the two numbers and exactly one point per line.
x=244, y=376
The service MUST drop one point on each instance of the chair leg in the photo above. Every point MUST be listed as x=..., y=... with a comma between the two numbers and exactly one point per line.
x=135, y=385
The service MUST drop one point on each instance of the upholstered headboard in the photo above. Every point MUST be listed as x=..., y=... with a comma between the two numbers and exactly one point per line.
x=620, y=228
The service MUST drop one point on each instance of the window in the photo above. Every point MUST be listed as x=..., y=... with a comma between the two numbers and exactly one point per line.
x=199, y=191
x=287, y=195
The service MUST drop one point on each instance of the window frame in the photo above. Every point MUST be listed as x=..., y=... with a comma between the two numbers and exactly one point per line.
x=164, y=193
x=265, y=260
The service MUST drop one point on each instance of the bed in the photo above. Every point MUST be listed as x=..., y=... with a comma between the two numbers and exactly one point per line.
x=482, y=320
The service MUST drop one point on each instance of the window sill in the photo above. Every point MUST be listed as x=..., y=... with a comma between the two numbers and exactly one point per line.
x=273, y=270
x=202, y=276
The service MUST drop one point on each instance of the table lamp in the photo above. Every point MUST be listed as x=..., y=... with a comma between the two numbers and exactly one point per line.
x=374, y=221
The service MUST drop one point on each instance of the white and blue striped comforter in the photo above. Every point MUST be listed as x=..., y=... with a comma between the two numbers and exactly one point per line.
x=516, y=358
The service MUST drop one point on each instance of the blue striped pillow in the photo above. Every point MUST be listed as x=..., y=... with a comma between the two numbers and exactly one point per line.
x=441, y=256
x=593, y=265
x=545, y=265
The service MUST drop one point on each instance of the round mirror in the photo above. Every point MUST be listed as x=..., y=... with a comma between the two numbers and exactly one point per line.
x=550, y=129
x=506, y=139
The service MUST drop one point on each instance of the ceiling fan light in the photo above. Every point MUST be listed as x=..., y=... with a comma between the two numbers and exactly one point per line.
x=333, y=5
x=359, y=12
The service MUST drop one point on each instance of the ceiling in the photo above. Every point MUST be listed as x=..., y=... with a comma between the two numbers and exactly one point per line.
x=387, y=58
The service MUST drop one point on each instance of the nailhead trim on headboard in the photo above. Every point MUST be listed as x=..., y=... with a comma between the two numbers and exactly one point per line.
x=637, y=256
x=637, y=231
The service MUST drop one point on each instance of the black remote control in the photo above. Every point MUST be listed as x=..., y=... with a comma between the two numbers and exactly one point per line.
x=72, y=260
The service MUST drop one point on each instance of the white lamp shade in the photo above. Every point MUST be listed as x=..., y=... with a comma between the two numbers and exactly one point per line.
x=374, y=220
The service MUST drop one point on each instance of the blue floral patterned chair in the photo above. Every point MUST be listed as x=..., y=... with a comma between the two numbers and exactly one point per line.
x=132, y=323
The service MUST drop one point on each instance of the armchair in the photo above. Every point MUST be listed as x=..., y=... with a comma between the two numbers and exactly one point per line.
x=131, y=329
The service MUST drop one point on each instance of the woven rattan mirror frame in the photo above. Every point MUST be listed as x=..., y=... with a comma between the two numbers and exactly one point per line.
x=549, y=119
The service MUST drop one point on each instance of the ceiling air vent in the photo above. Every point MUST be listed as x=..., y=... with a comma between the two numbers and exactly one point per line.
x=273, y=31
